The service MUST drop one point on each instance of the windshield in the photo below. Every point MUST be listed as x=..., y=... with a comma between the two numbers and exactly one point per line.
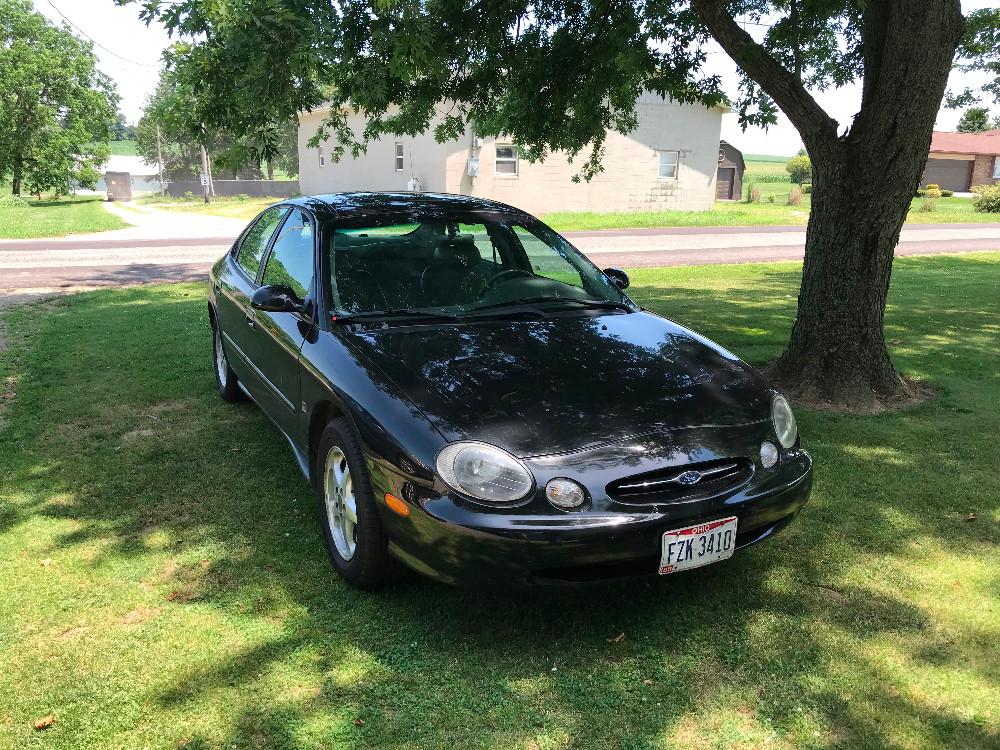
x=436, y=261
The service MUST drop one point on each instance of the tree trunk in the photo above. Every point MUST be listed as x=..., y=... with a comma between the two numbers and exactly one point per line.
x=864, y=183
x=837, y=352
x=17, y=176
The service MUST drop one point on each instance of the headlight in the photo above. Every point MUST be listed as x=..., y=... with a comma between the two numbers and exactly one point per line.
x=484, y=472
x=784, y=421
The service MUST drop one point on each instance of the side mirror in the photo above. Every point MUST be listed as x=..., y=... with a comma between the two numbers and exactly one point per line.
x=618, y=277
x=276, y=298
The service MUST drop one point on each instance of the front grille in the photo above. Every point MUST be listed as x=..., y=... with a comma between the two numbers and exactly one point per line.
x=682, y=484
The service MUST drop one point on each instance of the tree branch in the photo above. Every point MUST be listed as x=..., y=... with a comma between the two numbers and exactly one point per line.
x=817, y=128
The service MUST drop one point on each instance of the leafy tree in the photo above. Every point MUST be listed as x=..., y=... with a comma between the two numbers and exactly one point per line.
x=556, y=76
x=976, y=120
x=121, y=130
x=56, y=109
x=799, y=169
x=173, y=107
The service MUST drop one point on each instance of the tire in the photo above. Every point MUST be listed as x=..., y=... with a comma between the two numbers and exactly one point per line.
x=225, y=378
x=358, y=548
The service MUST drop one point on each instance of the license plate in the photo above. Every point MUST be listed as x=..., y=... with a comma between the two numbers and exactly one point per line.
x=694, y=546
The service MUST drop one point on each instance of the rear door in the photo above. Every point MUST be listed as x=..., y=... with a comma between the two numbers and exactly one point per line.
x=279, y=335
x=234, y=290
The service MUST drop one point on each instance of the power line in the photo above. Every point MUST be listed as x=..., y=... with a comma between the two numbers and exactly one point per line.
x=97, y=43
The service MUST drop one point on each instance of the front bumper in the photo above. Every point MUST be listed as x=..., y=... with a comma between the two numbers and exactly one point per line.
x=456, y=542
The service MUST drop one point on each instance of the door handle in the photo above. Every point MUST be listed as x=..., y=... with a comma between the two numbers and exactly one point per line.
x=251, y=318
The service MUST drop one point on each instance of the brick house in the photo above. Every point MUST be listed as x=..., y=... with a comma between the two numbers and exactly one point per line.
x=669, y=161
x=957, y=161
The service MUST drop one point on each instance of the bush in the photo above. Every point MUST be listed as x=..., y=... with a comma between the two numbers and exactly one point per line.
x=13, y=201
x=947, y=193
x=188, y=195
x=987, y=199
x=795, y=196
x=807, y=188
x=927, y=205
x=979, y=189
x=933, y=190
x=799, y=169
x=753, y=193
x=770, y=198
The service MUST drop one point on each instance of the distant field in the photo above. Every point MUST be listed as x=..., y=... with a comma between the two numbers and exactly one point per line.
x=123, y=148
x=766, y=157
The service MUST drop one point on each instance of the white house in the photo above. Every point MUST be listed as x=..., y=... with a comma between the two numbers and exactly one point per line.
x=669, y=161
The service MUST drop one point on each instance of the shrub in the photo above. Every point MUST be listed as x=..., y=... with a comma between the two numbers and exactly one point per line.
x=807, y=188
x=947, y=193
x=933, y=190
x=927, y=205
x=987, y=199
x=979, y=189
x=795, y=196
x=13, y=201
x=770, y=198
x=799, y=169
x=188, y=195
x=753, y=193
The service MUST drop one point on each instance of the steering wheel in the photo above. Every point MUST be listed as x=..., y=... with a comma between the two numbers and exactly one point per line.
x=510, y=272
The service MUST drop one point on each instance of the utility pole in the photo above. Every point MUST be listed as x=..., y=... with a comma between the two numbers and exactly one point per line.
x=204, y=172
x=159, y=158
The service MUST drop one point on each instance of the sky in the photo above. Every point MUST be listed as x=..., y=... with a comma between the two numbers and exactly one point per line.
x=129, y=52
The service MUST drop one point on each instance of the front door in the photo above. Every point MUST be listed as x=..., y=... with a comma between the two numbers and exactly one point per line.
x=724, y=184
x=235, y=286
x=279, y=335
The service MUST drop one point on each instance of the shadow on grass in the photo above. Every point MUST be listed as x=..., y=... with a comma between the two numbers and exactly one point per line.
x=118, y=438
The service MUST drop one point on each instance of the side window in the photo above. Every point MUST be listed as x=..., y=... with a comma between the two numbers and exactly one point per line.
x=668, y=164
x=291, y=261
x=547, y=261
x=255, y=243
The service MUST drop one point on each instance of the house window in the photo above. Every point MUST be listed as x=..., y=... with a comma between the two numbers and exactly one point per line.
x=322, y=157
x=399, y=157
x=996, y=167
x=668, y=164
x=506, y=160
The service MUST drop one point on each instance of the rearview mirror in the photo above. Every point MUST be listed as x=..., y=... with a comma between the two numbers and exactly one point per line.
x=276, y=298
x=618, y=277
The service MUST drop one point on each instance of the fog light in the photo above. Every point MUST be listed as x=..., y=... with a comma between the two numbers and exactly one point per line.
x=768, y=454
x=565, y=494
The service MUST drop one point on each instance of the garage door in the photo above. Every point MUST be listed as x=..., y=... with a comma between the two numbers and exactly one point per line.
x=951, y=174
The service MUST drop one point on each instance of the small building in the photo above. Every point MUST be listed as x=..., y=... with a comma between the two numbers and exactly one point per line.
x=957, y=161
x=669, y=161
x=729, y=181
x=145, y=177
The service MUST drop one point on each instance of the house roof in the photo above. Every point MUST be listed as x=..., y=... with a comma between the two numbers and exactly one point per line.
x=987, y=142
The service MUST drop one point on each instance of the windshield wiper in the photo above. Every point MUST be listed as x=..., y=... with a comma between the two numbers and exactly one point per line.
x=598, y=304
x=401, y=312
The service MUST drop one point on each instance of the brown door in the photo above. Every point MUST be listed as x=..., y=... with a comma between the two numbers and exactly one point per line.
x=724, y=183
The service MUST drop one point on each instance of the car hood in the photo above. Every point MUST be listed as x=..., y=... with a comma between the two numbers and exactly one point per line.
x=541, y=387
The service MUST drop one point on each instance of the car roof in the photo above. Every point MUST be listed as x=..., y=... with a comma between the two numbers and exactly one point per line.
x=360, y=204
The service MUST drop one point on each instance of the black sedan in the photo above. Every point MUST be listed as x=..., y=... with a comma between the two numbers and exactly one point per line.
x=470, y=396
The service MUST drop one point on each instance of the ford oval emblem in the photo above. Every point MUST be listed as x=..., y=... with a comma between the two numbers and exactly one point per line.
x=688, y=478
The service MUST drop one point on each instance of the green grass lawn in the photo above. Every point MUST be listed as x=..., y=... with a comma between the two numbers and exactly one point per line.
x=953, y=210
x=56, y=218
x=231, y=207
x=163, y=581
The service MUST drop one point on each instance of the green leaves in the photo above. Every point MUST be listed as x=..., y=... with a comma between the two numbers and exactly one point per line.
x=55, y=104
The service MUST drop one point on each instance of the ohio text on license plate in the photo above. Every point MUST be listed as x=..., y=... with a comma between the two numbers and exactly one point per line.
x=694, y=546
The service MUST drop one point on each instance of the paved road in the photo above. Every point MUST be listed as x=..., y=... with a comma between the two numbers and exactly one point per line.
x=39, y=267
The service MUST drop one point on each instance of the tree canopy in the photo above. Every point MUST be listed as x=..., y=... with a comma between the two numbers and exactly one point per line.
x=976, y=119
x=557, y=75
x=173, y=107
x=56, y=109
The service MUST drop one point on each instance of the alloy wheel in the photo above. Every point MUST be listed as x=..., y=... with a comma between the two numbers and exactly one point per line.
x=341, y=505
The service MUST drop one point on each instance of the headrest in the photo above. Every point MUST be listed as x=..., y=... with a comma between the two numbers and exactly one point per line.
x=461, y=248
